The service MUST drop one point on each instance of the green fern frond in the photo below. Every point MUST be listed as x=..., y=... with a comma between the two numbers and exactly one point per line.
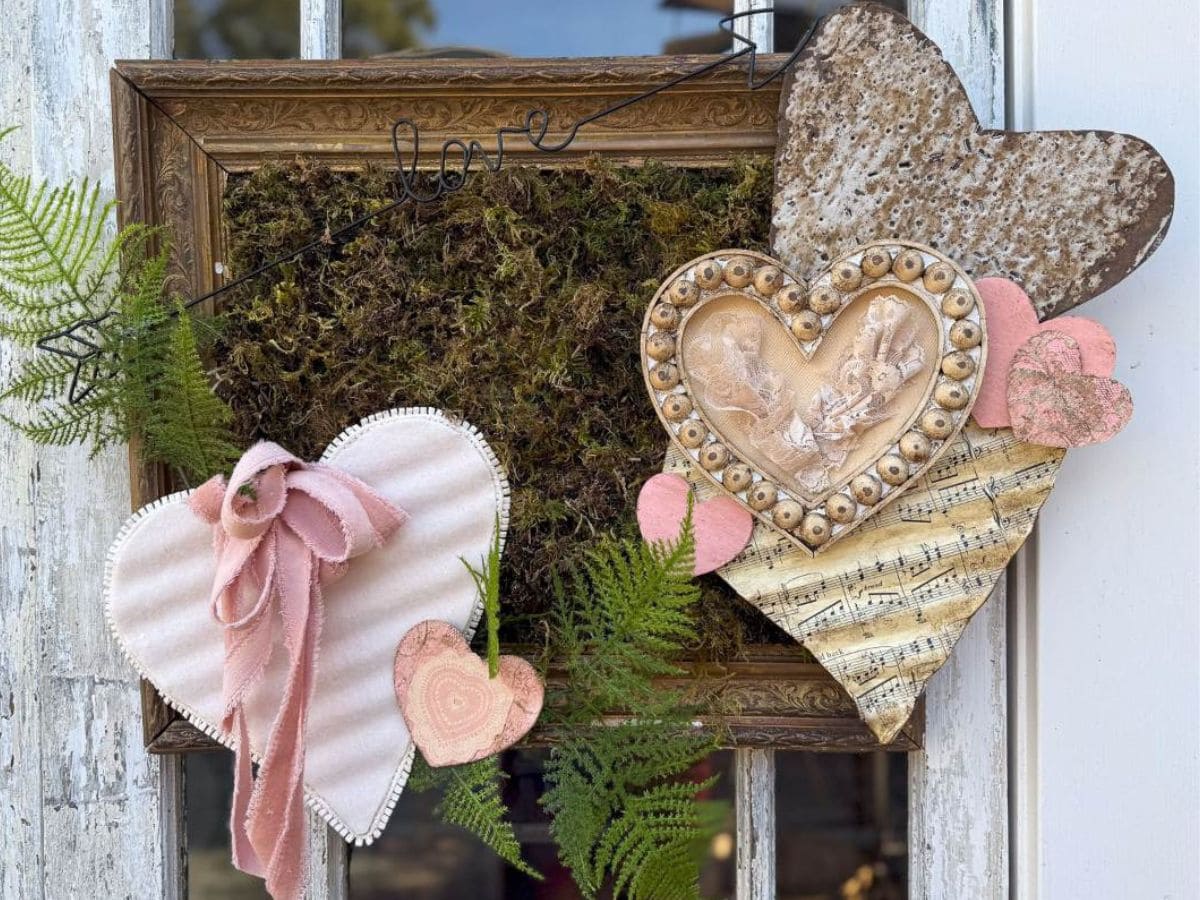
x=625, y=620
x=622, y=809
x=487, y=583
x=187, y=424
x=471, y=799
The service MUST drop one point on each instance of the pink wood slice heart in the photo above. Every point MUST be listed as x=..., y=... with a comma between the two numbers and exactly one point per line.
x=721, y=526
x=1053, y=403
x=1012, y=321
x=455, y=712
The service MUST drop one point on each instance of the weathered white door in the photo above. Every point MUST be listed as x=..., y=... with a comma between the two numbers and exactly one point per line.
x=86, y=813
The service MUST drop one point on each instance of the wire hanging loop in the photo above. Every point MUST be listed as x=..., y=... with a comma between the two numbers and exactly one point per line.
x=456, y=162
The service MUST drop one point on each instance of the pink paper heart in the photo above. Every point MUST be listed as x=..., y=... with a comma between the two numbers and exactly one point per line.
x=1011, y=321
x=455, y=712
x=1052, y=402
x=721, y=526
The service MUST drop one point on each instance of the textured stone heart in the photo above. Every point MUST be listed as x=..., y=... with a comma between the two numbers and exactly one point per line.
x=815, y=407
x=1053, y=403
x=721, y=527
x=454, y=710
x=359, y=749
x=1011, y=322
x=877, y=136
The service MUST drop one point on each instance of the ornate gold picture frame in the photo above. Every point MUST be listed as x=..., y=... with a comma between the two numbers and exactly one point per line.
x=181, y=129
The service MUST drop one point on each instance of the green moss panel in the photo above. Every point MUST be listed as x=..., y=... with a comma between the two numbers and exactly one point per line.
x=516, y=304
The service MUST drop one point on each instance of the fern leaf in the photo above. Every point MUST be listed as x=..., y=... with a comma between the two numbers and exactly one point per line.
x=186, y=424
x=472, y=800
x=487, y=583
x=622, y=809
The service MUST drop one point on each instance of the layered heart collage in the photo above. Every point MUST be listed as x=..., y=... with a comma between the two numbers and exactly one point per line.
x=861, y=424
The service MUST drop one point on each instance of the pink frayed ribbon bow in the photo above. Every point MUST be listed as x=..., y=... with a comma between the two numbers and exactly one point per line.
x=281, y=528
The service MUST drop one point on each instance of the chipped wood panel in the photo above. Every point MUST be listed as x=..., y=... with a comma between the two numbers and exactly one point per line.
x=80, y=803
x=958, y=841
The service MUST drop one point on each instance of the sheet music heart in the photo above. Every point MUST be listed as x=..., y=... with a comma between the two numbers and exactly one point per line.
x=815, y=407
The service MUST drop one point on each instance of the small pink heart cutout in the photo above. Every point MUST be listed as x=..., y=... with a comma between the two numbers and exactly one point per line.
x=455, y=712
x=1012, y=321
x=721, y=526
x=1052, y=402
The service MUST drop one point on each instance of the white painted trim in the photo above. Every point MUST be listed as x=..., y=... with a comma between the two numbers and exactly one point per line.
x=329, y=855
x=958, y=785
x=754, y=788
x=320, y=29
x=760, y=29
x=1024, y=837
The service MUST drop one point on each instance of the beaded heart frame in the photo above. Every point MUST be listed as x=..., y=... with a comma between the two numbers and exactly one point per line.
x=912, y=270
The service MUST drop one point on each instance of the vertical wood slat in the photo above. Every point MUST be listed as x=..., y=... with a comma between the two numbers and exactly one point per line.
x=82, y=804
x=320, y=29
x=754, y=770
x=958, y=784
x=760, y=28
x=754, y=783
x=328, y=856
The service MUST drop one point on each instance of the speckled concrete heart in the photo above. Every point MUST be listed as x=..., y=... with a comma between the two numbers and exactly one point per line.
x=877, y=137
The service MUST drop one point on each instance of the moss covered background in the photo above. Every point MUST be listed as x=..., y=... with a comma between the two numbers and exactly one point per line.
x=516, y=304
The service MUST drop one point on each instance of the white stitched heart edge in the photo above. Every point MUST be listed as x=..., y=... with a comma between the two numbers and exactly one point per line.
x=312, y=799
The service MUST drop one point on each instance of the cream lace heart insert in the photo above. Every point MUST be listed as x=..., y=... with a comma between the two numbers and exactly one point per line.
x=815, y=407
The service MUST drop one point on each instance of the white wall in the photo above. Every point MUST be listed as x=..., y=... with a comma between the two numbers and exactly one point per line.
x=1108, y=709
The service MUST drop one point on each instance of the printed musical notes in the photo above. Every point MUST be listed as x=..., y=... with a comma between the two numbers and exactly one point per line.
x=883, y=608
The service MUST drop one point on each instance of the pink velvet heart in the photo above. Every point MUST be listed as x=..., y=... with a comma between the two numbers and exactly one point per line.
x=1052, y=402
x=455, y=712
x=1011, y=321
x=721, y=526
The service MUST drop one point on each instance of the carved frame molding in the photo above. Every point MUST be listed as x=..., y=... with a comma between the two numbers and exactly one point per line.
x=245, y=114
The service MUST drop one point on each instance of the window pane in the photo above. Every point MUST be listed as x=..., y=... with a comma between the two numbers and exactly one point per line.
x=842, y=826
x=529, y=27
x=467, y=28
x=208, y=791
x=419, y=858
x=237, y=29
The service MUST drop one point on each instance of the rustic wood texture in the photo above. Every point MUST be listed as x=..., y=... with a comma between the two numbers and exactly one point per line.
x=883, y=608
x=81, y=804
x=245, y=114
x=879, y=140
x=959, y=782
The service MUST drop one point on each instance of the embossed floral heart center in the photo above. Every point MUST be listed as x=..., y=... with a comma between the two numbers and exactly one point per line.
x=815, y=407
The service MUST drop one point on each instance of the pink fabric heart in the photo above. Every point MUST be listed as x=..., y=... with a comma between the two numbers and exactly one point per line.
x=282, y=528
x=721, y=526
x=1011, y=321
x=1053, y=403
x=455, y=712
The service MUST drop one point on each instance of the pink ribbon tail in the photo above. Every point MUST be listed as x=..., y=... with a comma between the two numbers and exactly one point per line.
x=280, y=528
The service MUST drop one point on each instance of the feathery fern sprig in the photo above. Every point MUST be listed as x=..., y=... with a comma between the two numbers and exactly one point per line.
x=57, y=268
x=472, y=799
x=622, y=808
